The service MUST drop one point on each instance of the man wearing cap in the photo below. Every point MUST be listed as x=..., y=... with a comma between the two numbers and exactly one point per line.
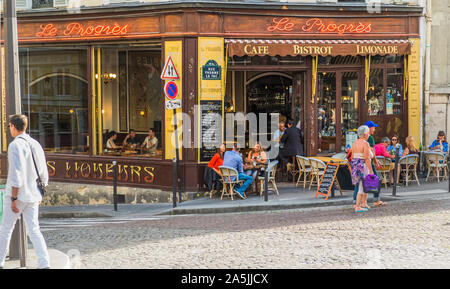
x=375, y=164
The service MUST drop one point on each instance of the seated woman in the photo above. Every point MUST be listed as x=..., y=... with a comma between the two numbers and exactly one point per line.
x=150, y=143
x=381, y=149
x=410, y=149
x=212, y=172
x=391, y=148
x=440, y=143
x=110, y=144
x=256, y=157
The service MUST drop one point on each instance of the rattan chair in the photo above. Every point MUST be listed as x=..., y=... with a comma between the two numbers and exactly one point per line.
x=386, y=169
x=436, y=162
x=304, y=168
x=230, y=178
x=317, y=171
x=272, y=169
x=410, y=163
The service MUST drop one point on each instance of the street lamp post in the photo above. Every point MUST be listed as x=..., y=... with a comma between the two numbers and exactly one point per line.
x=18, y=243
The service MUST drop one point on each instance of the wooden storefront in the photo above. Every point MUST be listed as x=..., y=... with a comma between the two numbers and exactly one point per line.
x=200, y=35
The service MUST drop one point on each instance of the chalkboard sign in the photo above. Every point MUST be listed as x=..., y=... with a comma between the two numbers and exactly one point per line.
x=211, y=128
x=328, y=180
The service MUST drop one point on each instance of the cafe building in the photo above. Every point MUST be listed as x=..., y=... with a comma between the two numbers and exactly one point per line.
x=330, y=68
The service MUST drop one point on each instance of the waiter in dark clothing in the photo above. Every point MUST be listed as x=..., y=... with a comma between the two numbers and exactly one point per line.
x=292, y=145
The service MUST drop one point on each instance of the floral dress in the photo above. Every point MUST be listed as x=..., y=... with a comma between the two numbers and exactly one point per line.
x=359, y=169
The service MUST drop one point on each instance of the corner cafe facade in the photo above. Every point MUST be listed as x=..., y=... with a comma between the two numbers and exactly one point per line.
x=329, y=68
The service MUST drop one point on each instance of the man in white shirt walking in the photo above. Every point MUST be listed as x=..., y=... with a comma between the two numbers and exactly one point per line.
x=22, y=193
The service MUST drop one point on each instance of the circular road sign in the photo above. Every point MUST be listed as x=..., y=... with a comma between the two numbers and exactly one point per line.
x=171, y=90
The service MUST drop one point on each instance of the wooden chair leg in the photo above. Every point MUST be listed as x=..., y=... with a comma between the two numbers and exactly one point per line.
x=299, y=178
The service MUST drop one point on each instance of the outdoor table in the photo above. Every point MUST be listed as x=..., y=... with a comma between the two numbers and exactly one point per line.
x=344, y=175
x=252, y=168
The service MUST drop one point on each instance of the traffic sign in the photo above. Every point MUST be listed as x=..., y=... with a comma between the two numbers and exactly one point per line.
x=169, y=72
x=171, y=90
x=173, y=104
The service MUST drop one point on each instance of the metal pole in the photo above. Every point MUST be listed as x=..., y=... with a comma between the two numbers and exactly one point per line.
x=394, y=188
x=178, y=175
x=266, y=182
x=23, y=243
x=115, y=185
x=13, y=105
x=175, y=180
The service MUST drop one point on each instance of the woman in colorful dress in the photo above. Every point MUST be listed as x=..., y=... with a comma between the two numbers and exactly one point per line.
x=361, y=167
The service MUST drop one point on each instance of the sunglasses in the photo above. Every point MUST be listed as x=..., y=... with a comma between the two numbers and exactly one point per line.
x=394, y=139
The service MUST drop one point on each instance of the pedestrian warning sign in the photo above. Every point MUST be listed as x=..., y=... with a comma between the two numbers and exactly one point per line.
x=169, y=72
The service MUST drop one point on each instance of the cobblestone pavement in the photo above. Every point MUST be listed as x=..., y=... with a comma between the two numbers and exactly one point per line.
x=407, y=234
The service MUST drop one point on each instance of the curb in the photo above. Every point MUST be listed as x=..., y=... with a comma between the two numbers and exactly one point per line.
x=256, y=208
x=70, y=215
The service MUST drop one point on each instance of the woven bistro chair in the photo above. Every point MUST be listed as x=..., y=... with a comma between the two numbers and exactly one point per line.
x=317, y=171
x=436, y=162
x=272, y=169
x=304, y=168
x=410, y=163
x=386, y=169
x=230, y=178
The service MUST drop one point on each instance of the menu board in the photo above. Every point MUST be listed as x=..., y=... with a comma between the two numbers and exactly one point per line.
x=211, y=128
x=328, y=179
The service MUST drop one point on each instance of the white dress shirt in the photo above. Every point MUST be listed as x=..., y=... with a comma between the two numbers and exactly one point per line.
x=21, y=169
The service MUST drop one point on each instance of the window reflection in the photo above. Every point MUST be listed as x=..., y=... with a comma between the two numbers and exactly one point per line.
x=55, y=96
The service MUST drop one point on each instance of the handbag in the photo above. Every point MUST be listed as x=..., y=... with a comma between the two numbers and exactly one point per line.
x=370, y=183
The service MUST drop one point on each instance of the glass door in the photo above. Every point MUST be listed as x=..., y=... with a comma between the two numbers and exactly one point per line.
x=338, y=110
x=350, y=104
x=326, y=116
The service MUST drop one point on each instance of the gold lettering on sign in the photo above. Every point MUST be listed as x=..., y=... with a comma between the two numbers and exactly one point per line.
x=135, y=170
x=123, y=169
x=375, y=49
x=101, y=171
x=151, y=176
x=256, y=50
x=51, y=168
x=98, y=168
x=308, y=50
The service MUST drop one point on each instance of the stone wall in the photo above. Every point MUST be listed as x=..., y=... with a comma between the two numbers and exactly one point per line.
x=438, y=118
x=65, y=194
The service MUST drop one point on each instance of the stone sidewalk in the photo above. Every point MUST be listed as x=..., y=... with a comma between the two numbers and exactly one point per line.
x=290, y=198
x=58, y=260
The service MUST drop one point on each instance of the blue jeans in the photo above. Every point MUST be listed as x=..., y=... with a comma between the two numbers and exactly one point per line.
x=248, y=181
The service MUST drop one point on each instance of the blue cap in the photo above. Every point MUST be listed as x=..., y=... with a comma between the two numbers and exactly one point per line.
x=371, y=124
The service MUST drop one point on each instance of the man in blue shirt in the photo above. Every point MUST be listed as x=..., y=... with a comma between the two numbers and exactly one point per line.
x=233, y=160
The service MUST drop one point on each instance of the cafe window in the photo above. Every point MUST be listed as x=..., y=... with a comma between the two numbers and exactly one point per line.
x=136, y=105
x=385, y=94
x=54, y=90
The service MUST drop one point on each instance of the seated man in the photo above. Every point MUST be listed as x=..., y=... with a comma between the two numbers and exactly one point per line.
x=150, y=143
x=233, y=160
x=131, y=140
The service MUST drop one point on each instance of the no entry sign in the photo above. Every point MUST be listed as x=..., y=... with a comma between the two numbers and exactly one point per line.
x=171, y=90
